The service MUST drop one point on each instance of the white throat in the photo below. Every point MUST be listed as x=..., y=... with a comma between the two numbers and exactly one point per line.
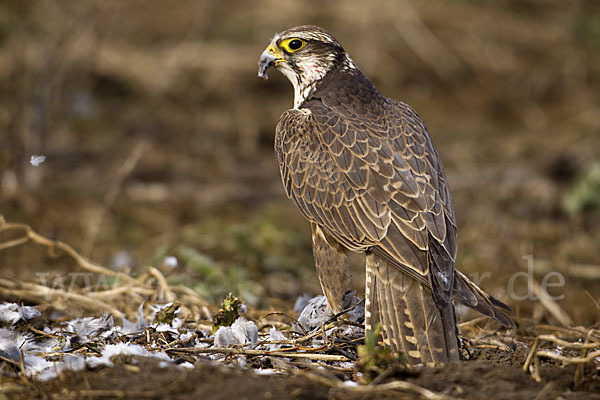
x=303, y=86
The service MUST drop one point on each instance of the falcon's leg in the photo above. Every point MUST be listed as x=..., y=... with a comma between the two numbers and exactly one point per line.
x=411, y=321
x=372, y=317
x=331, y=262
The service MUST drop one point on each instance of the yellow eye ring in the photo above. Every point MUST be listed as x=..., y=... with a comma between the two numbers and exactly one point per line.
x=292, y=44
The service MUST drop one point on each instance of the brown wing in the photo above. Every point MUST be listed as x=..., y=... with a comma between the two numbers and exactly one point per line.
x=318, y=186
x=364, y=169
x=371, y=183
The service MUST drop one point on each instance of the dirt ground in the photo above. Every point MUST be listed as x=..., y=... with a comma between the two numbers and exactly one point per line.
x=158, y=142
x=493, y=378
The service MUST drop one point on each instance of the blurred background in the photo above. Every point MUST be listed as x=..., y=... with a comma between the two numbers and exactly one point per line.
x=158, y=136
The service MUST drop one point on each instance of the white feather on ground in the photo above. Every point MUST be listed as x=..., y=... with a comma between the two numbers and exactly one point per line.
x=241, y=331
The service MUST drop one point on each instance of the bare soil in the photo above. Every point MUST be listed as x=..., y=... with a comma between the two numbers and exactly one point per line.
x=144, y=378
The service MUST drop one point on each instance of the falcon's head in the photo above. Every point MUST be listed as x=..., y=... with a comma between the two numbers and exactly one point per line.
x=304, y=54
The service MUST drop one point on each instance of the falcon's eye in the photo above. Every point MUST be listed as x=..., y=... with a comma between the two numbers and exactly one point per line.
x=291, y=45
x=295, y=44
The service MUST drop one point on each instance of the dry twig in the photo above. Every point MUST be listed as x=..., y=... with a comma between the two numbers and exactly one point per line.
x=121, y=299
x=29, y=235
x=277, y=353
x=40, y=294
x=535, y=354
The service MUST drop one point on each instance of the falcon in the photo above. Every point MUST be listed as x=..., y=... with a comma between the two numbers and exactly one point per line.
x=363, y=170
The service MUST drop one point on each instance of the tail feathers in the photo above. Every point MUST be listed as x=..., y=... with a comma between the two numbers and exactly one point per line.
x=412, y=322
x=471, y=295
x=463, y=291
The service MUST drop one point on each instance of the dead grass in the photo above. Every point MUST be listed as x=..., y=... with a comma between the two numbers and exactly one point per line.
x=580, y=346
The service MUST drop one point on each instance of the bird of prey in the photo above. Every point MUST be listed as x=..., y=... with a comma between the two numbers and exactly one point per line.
x=363, y=170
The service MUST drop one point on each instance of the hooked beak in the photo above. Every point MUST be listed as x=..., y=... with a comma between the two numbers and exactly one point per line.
x=269, y=58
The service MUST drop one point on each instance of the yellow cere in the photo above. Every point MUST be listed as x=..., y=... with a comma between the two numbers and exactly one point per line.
x=292, y=44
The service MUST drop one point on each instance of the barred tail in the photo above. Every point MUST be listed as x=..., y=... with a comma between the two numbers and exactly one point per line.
x=412, y=322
